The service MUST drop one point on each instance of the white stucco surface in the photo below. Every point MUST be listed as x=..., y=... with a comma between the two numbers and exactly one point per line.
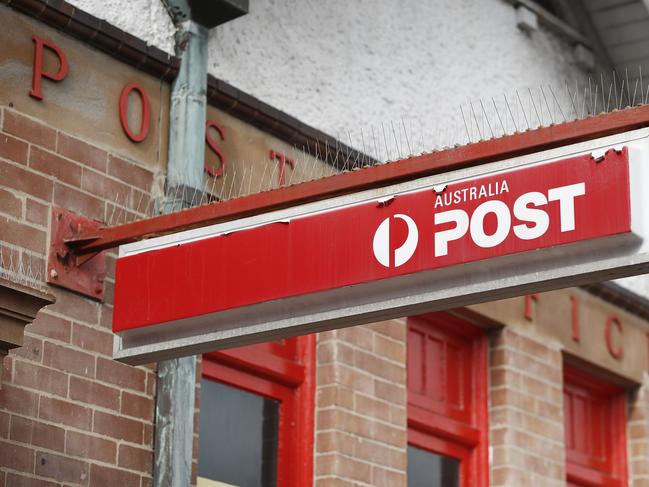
x=342, y=65
x=146, y=19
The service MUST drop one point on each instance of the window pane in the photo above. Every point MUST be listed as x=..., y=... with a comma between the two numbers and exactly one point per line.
x=426, y=469
x=238, y=436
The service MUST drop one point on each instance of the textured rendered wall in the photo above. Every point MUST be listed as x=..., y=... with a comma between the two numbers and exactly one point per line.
x=340, y=65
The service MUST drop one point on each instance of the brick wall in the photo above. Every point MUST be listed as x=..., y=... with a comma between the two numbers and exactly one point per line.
x=361, y=419
x=526, y=411
x=68, y=413
x=638, y=435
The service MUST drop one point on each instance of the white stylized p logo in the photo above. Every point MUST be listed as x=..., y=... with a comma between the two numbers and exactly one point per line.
x=381, y=242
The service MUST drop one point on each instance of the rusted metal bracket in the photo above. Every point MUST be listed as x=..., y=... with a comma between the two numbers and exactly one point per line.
x=83, y=273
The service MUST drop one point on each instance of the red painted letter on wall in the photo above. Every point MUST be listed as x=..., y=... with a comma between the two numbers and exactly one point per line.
x=38, y=74
x=574, y=312
x=145, y=122
x=282, y=160
x=608, y=335
x=215, y=171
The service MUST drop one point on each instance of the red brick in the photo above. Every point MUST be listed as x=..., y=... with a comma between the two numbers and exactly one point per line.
x=25, y=430
x=140, y=407
x=50, y=326
x=151, y=384
x=16, y=457
x=94, y=393
x=105, y=187
x=53, y=165
x=78, y=202
x=10, y=204
x=90, y=447
x=390, y=392
x=15, y=480
x=76, y=307
x=37, y=213
x=120, y=374
x=118, y=427
x=389, y=348
x=136, y=458
x=148, y=482
x=82, y=152
x=69, y=360
x=379, y=367
x=13, y=149
x=100, y=476
x=387, y=478
x=61, y=469
x=92, y=339
x=130, y=173
x=106, y=319
x=148, y=435
x=4, y=424
x=31, y=350
x=6, y=369
x=64, y=412
x=23, y=235
x=30, y=130
x=29, y=182
x=17, y=400
x=40, y=378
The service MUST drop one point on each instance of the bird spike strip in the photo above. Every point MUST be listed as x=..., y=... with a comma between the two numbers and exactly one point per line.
x=522, y=122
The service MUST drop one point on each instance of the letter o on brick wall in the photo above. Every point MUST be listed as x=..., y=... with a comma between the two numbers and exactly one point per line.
x=146, y=112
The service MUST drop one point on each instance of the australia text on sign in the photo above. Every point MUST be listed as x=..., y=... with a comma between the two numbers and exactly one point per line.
x=521, y=225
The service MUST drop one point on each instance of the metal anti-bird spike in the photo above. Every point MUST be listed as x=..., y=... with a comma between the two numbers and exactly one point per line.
x=518, y=111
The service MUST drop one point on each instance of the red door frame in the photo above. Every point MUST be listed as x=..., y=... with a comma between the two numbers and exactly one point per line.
x=582, y=470
x=283, y=371
x=449, y=433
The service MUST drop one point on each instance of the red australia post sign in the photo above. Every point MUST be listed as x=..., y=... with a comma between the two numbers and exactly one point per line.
x=341, y=254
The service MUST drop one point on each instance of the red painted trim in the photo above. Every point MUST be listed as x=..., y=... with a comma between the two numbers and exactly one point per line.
x=381, y=175
x=305, y=397
x=262, y=364
x=610, y=470
x=442, y=427
x=145, y=123
x=292, y=382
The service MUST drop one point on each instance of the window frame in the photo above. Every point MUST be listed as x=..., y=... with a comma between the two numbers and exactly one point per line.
x=465, y=439
x=581, y=470
x=283, y=371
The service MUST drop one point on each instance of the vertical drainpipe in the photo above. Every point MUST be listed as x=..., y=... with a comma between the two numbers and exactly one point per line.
x=175, y=397
x=187, y=112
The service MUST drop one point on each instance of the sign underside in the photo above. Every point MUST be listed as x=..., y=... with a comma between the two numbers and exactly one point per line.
x=553, y=219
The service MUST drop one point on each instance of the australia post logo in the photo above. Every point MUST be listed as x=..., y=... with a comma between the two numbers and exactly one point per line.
x=476, y=220
x=381, y=243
